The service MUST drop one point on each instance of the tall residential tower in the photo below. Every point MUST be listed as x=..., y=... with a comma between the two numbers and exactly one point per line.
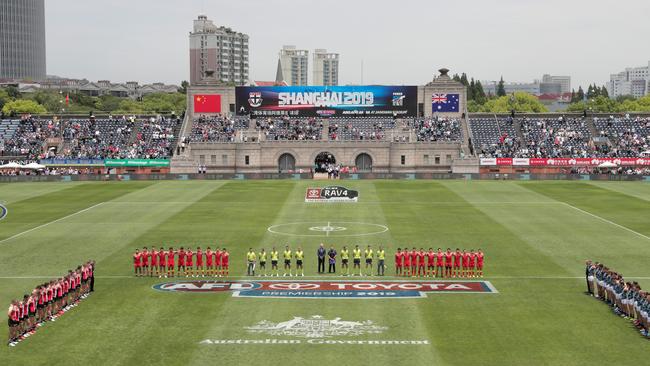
x=22, y=39
x=326, y=68
x=218, y=49
x=294, y=65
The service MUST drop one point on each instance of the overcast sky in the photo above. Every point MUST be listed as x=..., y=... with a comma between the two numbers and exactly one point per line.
x=400, y=42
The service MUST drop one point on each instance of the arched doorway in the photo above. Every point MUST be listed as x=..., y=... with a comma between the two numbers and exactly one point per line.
x=286, y=163
x=322, y=161
x=363, y=163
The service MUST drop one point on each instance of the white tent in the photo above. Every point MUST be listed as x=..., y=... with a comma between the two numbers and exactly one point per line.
x=11, y=165
x=35, y=166
x=607, y=164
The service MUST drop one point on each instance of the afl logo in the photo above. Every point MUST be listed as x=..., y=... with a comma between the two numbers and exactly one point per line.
x=3, y=211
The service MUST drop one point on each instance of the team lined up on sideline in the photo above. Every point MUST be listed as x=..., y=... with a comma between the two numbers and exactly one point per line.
x=49, y=301
x=216, y=263
x=162, y=263
x=626, y=298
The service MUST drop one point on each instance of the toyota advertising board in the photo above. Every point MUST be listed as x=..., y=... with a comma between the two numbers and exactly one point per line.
x=326, y=101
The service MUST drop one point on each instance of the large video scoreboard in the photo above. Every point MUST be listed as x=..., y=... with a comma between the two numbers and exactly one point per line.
x=326, y=101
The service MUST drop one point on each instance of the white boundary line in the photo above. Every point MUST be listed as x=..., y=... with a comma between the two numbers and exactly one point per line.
x=607, y=221
x=50, y=223
x=330, y=278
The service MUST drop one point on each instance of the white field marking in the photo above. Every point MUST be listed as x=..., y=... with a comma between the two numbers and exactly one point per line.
x=463, y=203
x=51, y=222
x=607, y=221
x=332, y=278
x=273, y=228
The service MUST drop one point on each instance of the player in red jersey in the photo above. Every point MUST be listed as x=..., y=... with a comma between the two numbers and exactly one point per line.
x=440, y=263
x=225, y=261
x=472, y=262
x=407, y=262
x=421, y=266
x=413, y=254
x=181, y=262
x=465, y=270
x=449, y=257
x=218, y=256
x=14, y=321
x=170, y=262
x=457, y=258
x=154, y=261
x=137, y=263
x=162, y=262
x=145, y=261
x=398, y=262
x=479, y=262
x=431, y=263
x=200, y=271
x=209, y=262
x=189, y=263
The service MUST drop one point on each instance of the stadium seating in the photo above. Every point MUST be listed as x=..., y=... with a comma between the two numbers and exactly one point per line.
x=29, y=136
x=437, y=129
x=283, y=129
x=216, y=128
x=628, y=136
x=351, y=129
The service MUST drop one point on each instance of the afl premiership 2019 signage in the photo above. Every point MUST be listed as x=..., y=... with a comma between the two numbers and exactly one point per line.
x=325, y=101
x=331, y=194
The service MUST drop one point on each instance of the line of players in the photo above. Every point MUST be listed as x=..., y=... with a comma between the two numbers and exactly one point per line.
x=49, y=301
x=181, y=262
x=447, y=264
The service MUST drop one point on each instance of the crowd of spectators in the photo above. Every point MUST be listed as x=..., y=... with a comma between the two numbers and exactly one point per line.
x=213, y=129
x=290, y=129
x=98, y=138
x=28, y=139
x=437, y=129
x=629, y=137
x=556, y=137
x=360, y=129
x=157, y=138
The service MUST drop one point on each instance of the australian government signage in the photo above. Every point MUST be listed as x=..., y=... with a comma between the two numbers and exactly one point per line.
x=331, y=194
x=137, y=163
x=315, y=329
x=563, y=162
x=324, y=101
x=320, y=289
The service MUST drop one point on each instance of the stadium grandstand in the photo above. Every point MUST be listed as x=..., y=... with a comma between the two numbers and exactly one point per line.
x=281, y=129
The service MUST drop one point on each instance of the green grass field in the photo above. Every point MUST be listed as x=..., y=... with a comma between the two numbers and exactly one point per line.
x=536, y=236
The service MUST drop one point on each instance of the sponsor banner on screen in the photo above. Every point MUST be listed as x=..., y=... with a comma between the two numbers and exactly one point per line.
x=320, y=289
x=324, y=101
x=331, y=194
x=445, y=102
x=136, y=163
x=563, y=162
x=207, y=103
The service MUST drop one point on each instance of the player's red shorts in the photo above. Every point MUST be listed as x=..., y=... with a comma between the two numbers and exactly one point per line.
x=479, y=265
x=398, y=264
x=170, y=264
x=224, y=264
x=189, y=263
x=209, y=263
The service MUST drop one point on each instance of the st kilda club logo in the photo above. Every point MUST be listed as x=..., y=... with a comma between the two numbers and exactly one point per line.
x=331, y=194
x=3, y=211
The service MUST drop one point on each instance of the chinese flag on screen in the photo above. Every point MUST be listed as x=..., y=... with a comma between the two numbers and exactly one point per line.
x=207, y=103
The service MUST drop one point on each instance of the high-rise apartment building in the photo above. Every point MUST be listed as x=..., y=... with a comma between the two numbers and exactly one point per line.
x=220, y=50
x=326, y=68
x=22, y=39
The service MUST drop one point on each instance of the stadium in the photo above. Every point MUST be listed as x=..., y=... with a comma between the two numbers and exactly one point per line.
x=300, y=225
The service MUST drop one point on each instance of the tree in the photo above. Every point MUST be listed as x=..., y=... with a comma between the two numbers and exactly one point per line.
x=470, y=90
x=463, y=79
x=456, y=78
x=501, y=89
x=4, y=98
x=580, y=96
x=479, y=93
x=604, y=92
x=13, y=92
x=184, y=86
x=518, y=101
x=22, y=106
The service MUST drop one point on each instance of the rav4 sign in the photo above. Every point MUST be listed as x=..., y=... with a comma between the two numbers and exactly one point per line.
x=330, y=289
x=331, y=194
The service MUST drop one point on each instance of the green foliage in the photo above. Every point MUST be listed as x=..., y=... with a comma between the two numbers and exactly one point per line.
x=21, y=106
x=13, y=92
x=519, y=102
x=154, y=103
x=184, y=85
x=4, y=98
x=603, y=104
x=501, y=88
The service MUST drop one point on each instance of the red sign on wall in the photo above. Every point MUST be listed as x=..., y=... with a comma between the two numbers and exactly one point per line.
x=207, y=103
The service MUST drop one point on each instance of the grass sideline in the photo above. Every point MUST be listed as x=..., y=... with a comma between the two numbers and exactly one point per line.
x=536, y=236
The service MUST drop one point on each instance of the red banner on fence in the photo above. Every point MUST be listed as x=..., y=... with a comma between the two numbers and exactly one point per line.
x=564, y=162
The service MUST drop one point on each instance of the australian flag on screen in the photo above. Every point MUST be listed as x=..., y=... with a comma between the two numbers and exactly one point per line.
x=445, y=103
